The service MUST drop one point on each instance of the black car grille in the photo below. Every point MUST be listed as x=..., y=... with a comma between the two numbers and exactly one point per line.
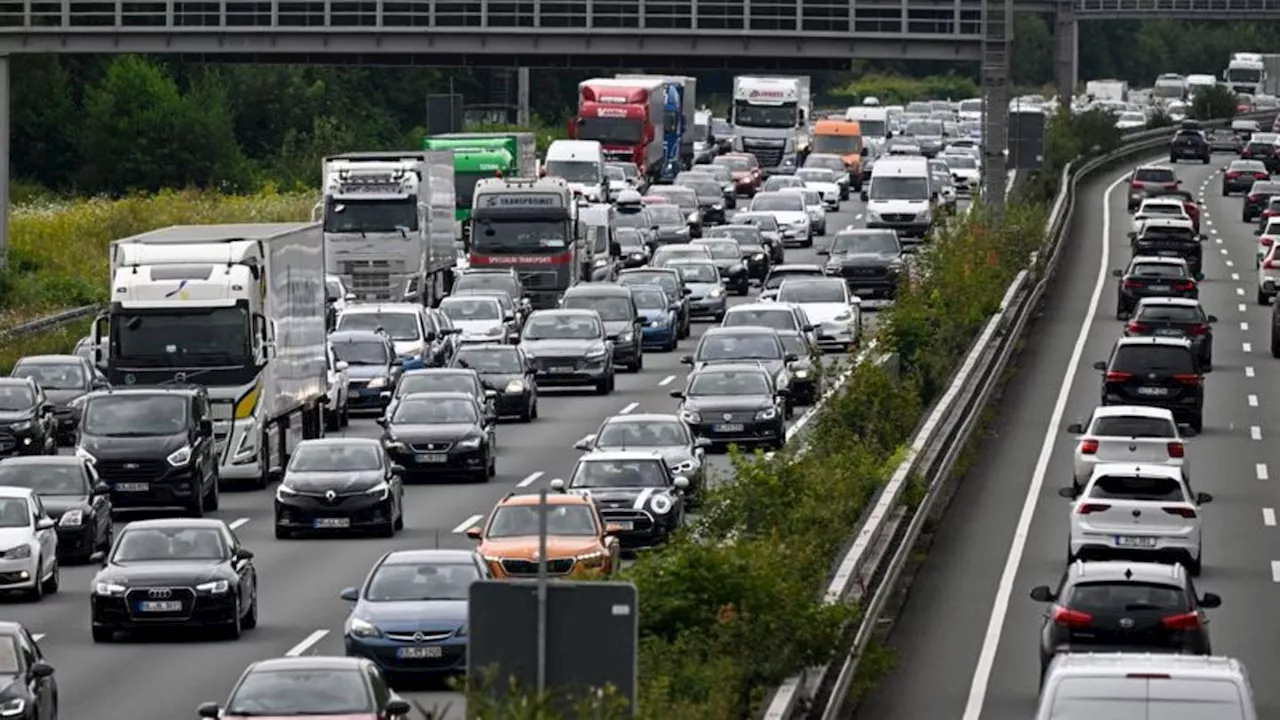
x=126, y=470
x=7, y=441
x=558, y=566
x=732, y=417
x=332, y=502
x=639, y=519
x=864, y=271
x=186, y=596
x=357, y=384
x=898, y=217
x=432, y=447
x=547, y=363
x=769, y=155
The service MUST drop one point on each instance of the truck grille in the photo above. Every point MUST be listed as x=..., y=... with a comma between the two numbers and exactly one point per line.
x=130, y=470
x=539, y=280
x=768, y=154
x=559, y=566
x=378, y=279
x=898, y=217
x=864, y=271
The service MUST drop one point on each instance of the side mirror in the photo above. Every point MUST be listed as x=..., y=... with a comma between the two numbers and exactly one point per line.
x=1132, y=235
x=615, y=248
x=863, y=152
x=1257, y=231
x=1076, y=428
x=45, y=524
x=46, y=408
x=1203, y=498
x=381, y=421
x=474, y=532
x=822, y=251
x=1100, y=365
x=349, y=296
x=1210, y=601
x=350, y=594
x=702, y=442
x=490, y=394
x=687, y=291
x=398, y=362
x=1069, y=493
x=556, y=485
x=1117, y=273
x=41, y=669
x=681, y=482
x=862, y=196
x=209, y=710
x=398, y=708
x=101, y=488
x=784, y=392
x=791, y=357
x=1187, y=432
x=341, y=366
x=686, y=359
x=585, y=443
x=508, y=318
x=1042, y=593
x=1213, y=319
x=397, y=470
x=244, y=554
x=677, y=394
x=1203, y=237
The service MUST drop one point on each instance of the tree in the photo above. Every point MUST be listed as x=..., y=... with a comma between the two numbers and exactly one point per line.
x=1214, y=102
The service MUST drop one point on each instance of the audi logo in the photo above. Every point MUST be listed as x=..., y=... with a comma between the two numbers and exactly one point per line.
x=159, y=593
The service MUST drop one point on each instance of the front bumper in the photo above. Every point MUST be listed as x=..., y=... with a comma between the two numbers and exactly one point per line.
x=19, y=574
x=198, y=610
x=429, y=657
x=439, y=458
x=707, y=307
x=626, y=353
x=515, y=403
x=836, y=335
x=349, y=512
x=912, y=228
x=1167, y=547
x=757, y=267
x=741, y=431
x=641, y=529
x=659, y=336
x=175, y=487
x=363, y=397
x=572, y=371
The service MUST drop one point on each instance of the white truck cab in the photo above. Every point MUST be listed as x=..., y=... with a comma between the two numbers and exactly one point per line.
x=580, y=163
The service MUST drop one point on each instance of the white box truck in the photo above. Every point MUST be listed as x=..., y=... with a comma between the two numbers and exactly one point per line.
x=239, y=309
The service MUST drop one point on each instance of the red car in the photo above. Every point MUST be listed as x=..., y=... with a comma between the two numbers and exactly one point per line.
x=747, y=174
x=311, y=688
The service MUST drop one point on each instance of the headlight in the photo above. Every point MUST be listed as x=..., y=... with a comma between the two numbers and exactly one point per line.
x=18, y=553
x=601, y=262
x=661, y=504
x=21, y=426
x=285, y=491
x=180, y=457
x=690, y=416
x=717, y=206
x=626, y=337
x=715, y=292
x=378, y=382
x=380, y=491
x=758, y=256
x=360, y=628
x=844, y=316
x=13, y=708
x=693, y=217
x=72, y=517
x=767, y=414
x=108, y=589
x=216, y=587
x=85, y=454
x=873, y=216
x=600, y=354
x=924, y=215
x=661, y=321
x=469, y=444
x=782, y=379
x=802, y=374
x=592, y=557
x=687, y=466
x=637, y=256
x=515, y=386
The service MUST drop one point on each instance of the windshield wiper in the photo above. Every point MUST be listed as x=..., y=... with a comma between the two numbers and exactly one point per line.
x=129, y=434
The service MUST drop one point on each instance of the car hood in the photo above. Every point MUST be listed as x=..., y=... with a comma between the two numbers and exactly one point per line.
x=367, y=372
x=161, y=573
x=561, y=347
x=348, y=481
x=791, y=217
x=56, y=505
x=926, y=139
x=866, y=258
x=701, y=289
x=665, y=230
x=478, y=328
x=433, y=431
x=824, y=312
x=615, y=327
x=499, y=381
x=131, y=448
x=13, y=537
x=62, y=397
x=414, y=615
x=526, y=547
x=13, y=416
x=826, y=188
x=741, y=174
x=406, y=348
x=727, y=403
x=749, y=249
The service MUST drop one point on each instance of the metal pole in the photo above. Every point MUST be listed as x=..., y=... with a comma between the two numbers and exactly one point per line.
x=542, y=591
x=4, y=160
x=522, y=98
x=1066, y=40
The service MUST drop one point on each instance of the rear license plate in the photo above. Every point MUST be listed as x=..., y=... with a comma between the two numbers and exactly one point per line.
x=1168, y=331
x=1134, y=541
x=1158, y=288
x=133, y=487
x=332, y=522
x=728, y=427
x=433, y=458
x=1153, y=391
x=423, y=652
x=159, y=606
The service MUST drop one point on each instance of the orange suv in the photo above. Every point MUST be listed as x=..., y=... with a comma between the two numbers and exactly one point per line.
x=579, y=543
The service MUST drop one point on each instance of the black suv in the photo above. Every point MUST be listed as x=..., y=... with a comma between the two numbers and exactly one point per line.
x=153, y=447
x=1148, y=276
x=1173, y=238
x=1188, y=144
x=27, y=423
x=1157, y=372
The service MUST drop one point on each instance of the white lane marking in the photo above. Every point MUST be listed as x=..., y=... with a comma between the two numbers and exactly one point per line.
x=1275, y=571
x=629, y=408
x=1217, y=239
x=1207, y=220
x=1000, y=608
x=238, y=523
x=666, y=381
x=1269, y=517
x=1248, y=371
x=858, y=216
x=38, y=636
x=1240, y=291
x=1253, y=401
x=1224, y=251
x=1247, y=347
x=307, y=643
x=1261, y=471
x=533, y=478
x=1235, y=276
x=466, y=524
x=1242, y=307
x=1230, y=264
x=1244, y=327
x=1255, y=432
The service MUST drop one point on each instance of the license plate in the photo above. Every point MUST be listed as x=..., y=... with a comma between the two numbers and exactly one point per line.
x=1134, y=541
x=1158, y=288
x=1153, y=391
x=1168, y=253
x=420, y=652
x=432, y=458
x=1168, y=331
x=133, y=487
x=160, y=606
x=332, y=522
x=624, y=524
x=562, y=370
x=728, y=427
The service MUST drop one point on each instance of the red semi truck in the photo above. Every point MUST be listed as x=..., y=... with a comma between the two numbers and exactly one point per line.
x=625, y=117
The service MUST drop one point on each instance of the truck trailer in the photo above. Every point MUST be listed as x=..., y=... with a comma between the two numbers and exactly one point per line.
x=679, y=120
x=485, y=155
x=626, y=118
x=239, y=309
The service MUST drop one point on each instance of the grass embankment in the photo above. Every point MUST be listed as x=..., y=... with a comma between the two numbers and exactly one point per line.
x=58, y=249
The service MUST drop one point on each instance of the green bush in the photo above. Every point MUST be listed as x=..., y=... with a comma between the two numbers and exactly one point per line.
x=1070, y=136
x=899, y=90
x=1214, y=103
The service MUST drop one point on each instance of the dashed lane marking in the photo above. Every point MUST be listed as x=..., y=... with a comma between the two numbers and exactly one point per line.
x=1269, y=517
x=629, y=408
x=1230, y=264
x=1235, y=276
x=1255, y=432
x=466, y=524
x=533, y=478
x=1247, y=347
x=1244, y=327
x=237, y=523
x=1248, y=371
x=1260, y=470
x=307, y=643
x=1243, y=308
x=1253, y=401
x=666, y=381
x=1240, y=291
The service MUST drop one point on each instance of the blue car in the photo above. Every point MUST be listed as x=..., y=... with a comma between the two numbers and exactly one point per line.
x=652, y=303
x=410, y=615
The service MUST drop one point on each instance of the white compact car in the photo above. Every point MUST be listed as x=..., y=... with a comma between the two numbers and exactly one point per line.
x=1269, y=276
x=823, y=182
x=835, y=314
x=789, y=210
x=1128, y=434
x=966, y=171
x=813, y=207
x=479, y=318
x=1136, y=510
x=1267, y=238
x=28, y=543
x=1159, y=209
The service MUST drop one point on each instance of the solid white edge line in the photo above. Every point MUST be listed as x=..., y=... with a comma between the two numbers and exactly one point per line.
x=307, y=643
x=531, y=479
x=466, y=524
x=1260, y=469
x=629, y=408
x=238, y=523
x=1000, y=607
x=1269, y=517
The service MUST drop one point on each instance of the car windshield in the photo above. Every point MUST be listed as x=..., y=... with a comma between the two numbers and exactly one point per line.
x=707, y=189
x=148, y=544
x=697, y=272
x=135, y=415
x=924, y=128
x=465, y=309
x=619, y=473
x=650, y=299
x=574, y=171
x=1110, y=597
x=313, y=692
x=54, y=376
x=723, y=250
x=898, y=188
x=614, y=173
x=1170, y=313
x=776, y=279
x=662, y=280
x=1144, y=359
x=778, y=319
x=766, y=223
x=1138, y=426
x=629, y=239
x=1154, y=175
x=818, y=175
x=335, y=457
x=627, y=169
x=486, y=281
x=493, y=360
x=16, y=397
x=672, y=252
x=729, y=383
x=568, y=326
x=642, y=433
x=780, y=182
x=744, y=236
x=810, y=197
x=789, y=202
x=735, y=163
x=436, y=382
x=824, y=162
x=813, y=291
x=961, y=162
x=400, y=326
x=666, y=215
x=794, y=344
x=436, y=411
x=1158, y=270
x=9, y=657
x=1157, y=488
x=366, y=352
x=866, y=242
x=739, y=347
x=14, y=512
x=45, y=479
x=1152, y=209
x=409, y=582
x=522, y=521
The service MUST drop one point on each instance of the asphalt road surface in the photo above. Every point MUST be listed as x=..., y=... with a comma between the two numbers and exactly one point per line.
x=967, y=640
x=299, y=610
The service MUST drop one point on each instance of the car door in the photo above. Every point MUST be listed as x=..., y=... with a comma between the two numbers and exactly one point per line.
x=40, y=688
x=244, y=569
x=100, y=502
x=47, y=536
x=201, y=443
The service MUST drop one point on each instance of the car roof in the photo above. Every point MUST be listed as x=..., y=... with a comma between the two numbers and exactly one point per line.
x=1160, y=341
x=492, y=295
x=17, y=381
x=8, y=627
x=1138, y=469
x=49, y=359
x=753, y=307
x=1180, y=302
x=362, y=308
x=730, y=366
x=407, y=557
x=1132, y=411
x=187, y=390
x=739, y=330
x=418, y=372
x=607, y=455
x=211, y=523
x=11, y=491
x=42, y=460
x=1121, y=664
x=438, y=395
x=552, y=499
x=308, y=662
x=797, y=268
x=642, y=417
x=1157, y=260
x=341, y=336
x=565, y=312
x=1154, y=166
x=1126, y=571
x=339, y=441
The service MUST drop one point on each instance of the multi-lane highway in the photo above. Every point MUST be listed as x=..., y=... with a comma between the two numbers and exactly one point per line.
x=300, y=612
x=968, y=637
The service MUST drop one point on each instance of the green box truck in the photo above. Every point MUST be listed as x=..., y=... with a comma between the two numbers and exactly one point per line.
x=485, y=155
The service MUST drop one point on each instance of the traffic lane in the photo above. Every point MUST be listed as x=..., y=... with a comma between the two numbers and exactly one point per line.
x=937, y=637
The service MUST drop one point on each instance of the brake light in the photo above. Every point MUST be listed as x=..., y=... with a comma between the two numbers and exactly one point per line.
x=1201, y=329
x=1136, y=185
x=1088, y=447
x=1187, y=378
x=1266, y=241
x=1262, y=176
x=1183, y=621
x=1232, y=174
x=1177, y=450
x=1087, y=508
x=1270, y=265
x=1132, y=283
x=1171, y=186
x=1116, y=376
x=1137, y=327
x=1184, y=285
x=1067, y=617
x=1254, y=197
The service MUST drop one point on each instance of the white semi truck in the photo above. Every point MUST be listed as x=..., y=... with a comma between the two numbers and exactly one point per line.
x=239, y=309
x=390, y=228
x=772, y=119
x=1246, y=73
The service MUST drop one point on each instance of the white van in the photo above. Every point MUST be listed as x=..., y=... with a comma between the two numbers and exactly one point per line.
x=1128, y=686
x=581, y=164
x=872, y=120
x=598, y=228
x=901, y=196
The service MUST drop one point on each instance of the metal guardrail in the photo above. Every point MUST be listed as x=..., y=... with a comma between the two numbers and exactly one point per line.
x=49, y=322
x=883, y=543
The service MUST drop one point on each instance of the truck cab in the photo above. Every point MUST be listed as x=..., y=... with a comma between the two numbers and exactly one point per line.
x=843, y=138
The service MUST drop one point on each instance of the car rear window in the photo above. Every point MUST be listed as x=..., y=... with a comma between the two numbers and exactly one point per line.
x=1155, y=175
x=1158, y=270
x=1137, y=487
x=1133, y=426
x=1163, y=209
x=1188, y=135
x=1266, y=188
x=1121, y=596
x=1144, y=359
x=1248, y=166
x=1170, y=313
x=1258, y=146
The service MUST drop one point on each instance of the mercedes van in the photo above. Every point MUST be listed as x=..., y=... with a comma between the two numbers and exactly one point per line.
x=580, y=163
x=901, y=196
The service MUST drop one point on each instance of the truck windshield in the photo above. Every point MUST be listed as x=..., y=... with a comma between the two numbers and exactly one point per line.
x=575, y=171
x=371, y=216
x=622, y=131
x=1244, y=75
x=873, y=129
x=524, y=236
x=764, y=116
x=165, y=339
x=464, y=185
x=899, y=188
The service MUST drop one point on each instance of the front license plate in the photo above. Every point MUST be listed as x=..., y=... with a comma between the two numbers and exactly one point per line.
x=133, y=487
x=421, y=652
x=332, y=522
x=562, y=370
x=1153, y=391
x=1158, y=288
x=1134, y=541
x=432, y=458
x=1168, y=253
x=728, y=427
x=159, y=606
x=625, y=524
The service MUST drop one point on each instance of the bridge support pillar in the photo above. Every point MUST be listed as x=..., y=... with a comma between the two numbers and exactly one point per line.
x=1068, y=58
x=4, y=160
x=522, y=98
x=997, y=40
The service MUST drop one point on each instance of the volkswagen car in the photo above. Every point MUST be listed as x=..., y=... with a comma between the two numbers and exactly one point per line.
x=441, y=434
x=734, y=403
x=707, y=293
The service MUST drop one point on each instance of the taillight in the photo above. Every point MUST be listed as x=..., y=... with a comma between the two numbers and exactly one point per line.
x=1137, y=327
x=1270, y=264
x=1232, y=174
x=1187, y=378
x=1184, y=285
x=1265, y=241
x=1182, y=621
x=1185, y=512
x=1171, y=186
x=1201, y=329
x=1262, y=176
x=1067, y=617
x=1088, y=447
x=1253, y=197
x=1116, y=376
x=1087, y=508
x=1136, y=185
x=1132, y=283
x=1177, y=450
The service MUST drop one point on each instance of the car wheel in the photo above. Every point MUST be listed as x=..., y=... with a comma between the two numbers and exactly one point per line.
x=36, y=593
x=215, y=493
x=196, y=508
x=602, y=386
x=103, y=634
x=1194, y=565
x=638, y=365
x=1197, y=423
x=346, y=415
x=528, y=413
x=1263, y=299
x=1224, y=191
x=51, y=585
x=235, y=628
x=492, y=469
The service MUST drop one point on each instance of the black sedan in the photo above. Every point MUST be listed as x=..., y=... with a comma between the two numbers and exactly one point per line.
x=1257, y=198
x=769, y=227
x=27, y=688
x=1149, y=276
x=340, y=484
x=634, y=490
x=756, y=251
x=506, y=370
x=1175, y=317
x=439, y=434
x=734, y=403
x=175, y=573
x=710, y=196
x=727, y=255
x=73, y=497
x=872, y=262
x=670, y=224
x=446, y=380
x=635, y=252
x=805, y=370
x=63, y=379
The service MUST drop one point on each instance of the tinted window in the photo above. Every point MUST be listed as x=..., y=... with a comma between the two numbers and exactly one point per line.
x=1158, y=270
x=1155, y=175
x=609, y=473
x=436, y=411
x=739, y=347
x=781, y=319
x=1129, y=487
x=789, y=202
x=611, y=309
x=336, y=457
x=489, y=360
x=1119, y=596
x=16, y=397
x=1133, y=426
x=1144, y=359
x=169, y=543
x=729, y=383
x=400, y=326
x=697, y=273
x=562, y=327
x=45, y=479
x=1171, y=313
x=436, y=382
x=362, y=353
x=54, y=376
x=775, y=279
x=1162, y=209
x=813, y=291
x=405, y=582
x=865, y=242
x=301, y=692
x=126, y=415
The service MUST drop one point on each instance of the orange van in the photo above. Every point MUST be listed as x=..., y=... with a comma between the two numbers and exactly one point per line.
x=843, y=138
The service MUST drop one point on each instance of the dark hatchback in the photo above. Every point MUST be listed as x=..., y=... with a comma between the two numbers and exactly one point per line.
x=569, y=348
x=635, y=253
x=1157, y=372
x=372, y=367
x=872, y=262
x=727, y=255
x=340, y=484
x=1190, y=145
x=64, y=378
x=1107, y=607
x=710, y=195
x=1152, y=277
x=670, y=225
x=28, y=690
x=635, y=490
x=441, y=434
x=1255, y=201
x=622, y=321
x=1172, y=238
x=505, y=370
x=445, y=380
x=27, y=422
x=756, y=250
x=734, y=403
x=1175, y=317
x=73, y=497
x=1263, y=151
